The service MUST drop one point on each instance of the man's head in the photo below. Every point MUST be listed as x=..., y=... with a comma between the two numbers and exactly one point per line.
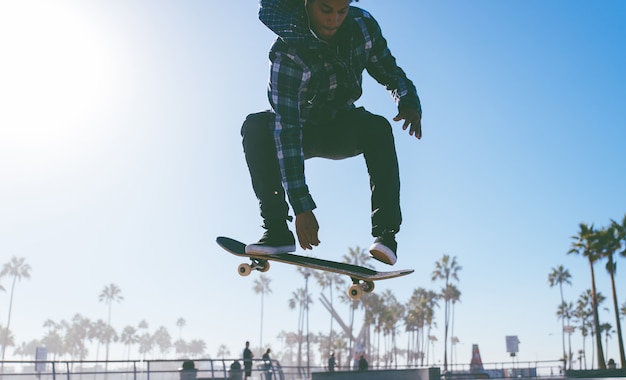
x=326, y=16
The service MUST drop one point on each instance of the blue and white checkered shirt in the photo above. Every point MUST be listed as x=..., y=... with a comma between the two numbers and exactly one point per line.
x=309, y=77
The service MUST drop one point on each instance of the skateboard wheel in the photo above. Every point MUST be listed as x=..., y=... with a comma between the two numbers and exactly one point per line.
x=355, y=292
x=367, y=286
x=264, y=267
x=244, y=269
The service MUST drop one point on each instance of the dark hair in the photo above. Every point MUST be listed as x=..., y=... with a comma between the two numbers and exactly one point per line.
x=188, y=364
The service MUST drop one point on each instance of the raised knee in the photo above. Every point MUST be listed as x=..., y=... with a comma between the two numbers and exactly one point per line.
x=380, y=127
x=255, y=125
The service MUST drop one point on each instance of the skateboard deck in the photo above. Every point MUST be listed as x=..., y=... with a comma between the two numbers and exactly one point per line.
x=362, y=278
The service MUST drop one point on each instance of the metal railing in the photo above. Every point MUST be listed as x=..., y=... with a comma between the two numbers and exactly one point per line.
x=513, y=369
x=200, y=369
x=209, y=369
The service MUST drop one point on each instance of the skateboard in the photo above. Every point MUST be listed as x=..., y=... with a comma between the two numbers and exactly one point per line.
x=362, y=278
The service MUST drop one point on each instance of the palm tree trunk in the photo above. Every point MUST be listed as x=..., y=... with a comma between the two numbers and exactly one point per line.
x=261, y=337
x=620, y=340
x=5, y=339
x=330, y=334
x=300, y=328
x=452, y=337
x=565, y=355
x=428, y=347
x=569, y=341
x=596, y=320
x=584, y=350
x=351, y=360
x=445, y=335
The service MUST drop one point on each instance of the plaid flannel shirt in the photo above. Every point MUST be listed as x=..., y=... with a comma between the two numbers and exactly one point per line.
x=309, y=78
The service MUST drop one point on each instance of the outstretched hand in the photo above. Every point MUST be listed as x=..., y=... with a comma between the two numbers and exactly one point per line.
x=412, y=120
x=306, y=229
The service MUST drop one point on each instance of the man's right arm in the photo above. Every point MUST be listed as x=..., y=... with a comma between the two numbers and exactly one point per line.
x=287, y=78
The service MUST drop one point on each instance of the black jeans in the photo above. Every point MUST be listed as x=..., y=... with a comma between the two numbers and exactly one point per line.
x=348, y=133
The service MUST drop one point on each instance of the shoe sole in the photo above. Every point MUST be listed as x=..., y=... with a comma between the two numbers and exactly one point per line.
x=268, y=251
x=383, y=254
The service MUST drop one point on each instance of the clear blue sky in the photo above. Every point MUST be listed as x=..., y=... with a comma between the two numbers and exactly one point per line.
x=121, y=161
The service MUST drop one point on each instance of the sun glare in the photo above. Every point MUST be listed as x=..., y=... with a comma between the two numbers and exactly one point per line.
x=54, y=74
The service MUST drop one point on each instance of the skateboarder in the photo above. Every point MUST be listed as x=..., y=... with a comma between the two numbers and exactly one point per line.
x=317, y=62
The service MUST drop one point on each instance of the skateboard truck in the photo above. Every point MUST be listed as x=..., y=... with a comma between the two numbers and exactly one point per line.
x=359, y=287
x=256, y=264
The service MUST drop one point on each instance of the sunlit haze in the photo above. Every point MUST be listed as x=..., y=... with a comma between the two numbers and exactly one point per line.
x=121, y=162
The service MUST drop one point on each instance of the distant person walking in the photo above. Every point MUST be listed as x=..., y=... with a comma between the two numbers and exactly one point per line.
x=362, y=363
x=331, y=362
x=267, y=362
x=247, y=360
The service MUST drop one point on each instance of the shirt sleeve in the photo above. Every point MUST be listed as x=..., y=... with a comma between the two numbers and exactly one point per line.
x=287, y=78
x=382, y=67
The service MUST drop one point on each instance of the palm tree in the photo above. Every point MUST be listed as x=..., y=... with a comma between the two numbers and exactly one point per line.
x=446, y=269
x=222, y=351
x=374, y=317
x=262, y=286
x=9, y=338
x=560, y=276
x=76, y=336
x=411, y=326
x=612, y=240
x=584, y=315
x=420, y=310
x=565, y=311
x=52, y=340
x=581, y=356
x=289, y=340
x=181, y=347
x=607, y=330
x=180, y=323
x=421, y=313
x=103, y=334
x=163, y=340
x=432, y=302
x=109, y=294
x=197, y=347
x=300, y=298
x=356, y=256
x=331, y=281
x=393, y=312
x=592, y=330
x=453, y=295
x=28, y=350
x=144, y=339
x=433, y=339
x=18, y=269
x=129, y=337
x=584, y=244
x=142, y=325
x=146, y=344
x=306, y=273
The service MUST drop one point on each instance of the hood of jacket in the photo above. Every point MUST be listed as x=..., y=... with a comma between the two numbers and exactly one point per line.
x=288, y=19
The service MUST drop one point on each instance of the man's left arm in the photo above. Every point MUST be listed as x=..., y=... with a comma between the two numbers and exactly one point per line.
x=383, y=68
